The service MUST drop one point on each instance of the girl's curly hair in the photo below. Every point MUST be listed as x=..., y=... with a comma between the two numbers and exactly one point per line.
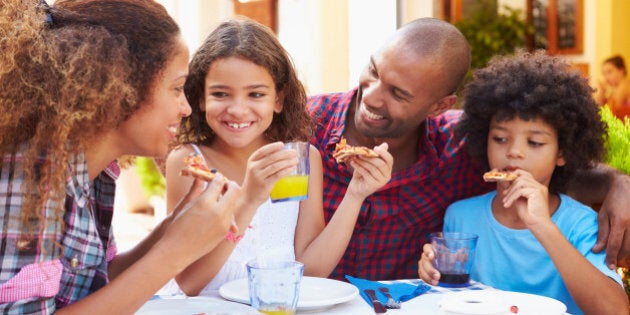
x=253, y=41
x=531, y=86
x=69, y=73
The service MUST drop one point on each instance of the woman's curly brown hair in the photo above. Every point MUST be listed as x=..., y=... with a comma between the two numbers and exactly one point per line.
x=531, y=86
x=69, y=73
x=255, y=42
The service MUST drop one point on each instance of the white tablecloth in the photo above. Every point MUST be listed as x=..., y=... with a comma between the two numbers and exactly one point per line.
x=426, y=303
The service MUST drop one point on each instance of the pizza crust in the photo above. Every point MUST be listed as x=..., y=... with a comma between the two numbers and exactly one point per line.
x=196, y=167
x=499, y=176
x=344, y=152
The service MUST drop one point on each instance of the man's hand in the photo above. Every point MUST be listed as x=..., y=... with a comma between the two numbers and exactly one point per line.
x=614, y=222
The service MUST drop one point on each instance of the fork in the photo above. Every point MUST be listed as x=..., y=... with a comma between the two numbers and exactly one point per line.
x=391, y=303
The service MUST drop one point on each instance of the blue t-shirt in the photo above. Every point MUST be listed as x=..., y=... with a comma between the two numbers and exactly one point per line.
x=513, y=259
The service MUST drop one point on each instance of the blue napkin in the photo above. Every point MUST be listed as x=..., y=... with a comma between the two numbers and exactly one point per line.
x=400, y=291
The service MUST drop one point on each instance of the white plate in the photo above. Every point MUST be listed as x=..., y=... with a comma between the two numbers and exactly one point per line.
x=315, y=293
x=194, y=305
x=490, y=302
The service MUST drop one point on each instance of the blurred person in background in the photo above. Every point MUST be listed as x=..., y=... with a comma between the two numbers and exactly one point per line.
x=614, y=90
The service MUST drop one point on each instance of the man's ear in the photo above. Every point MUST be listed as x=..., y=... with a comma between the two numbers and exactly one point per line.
x=443, y=105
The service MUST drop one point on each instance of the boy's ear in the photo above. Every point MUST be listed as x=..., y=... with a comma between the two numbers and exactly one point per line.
x=442, y=105
x=279, y=103
x=560, y=161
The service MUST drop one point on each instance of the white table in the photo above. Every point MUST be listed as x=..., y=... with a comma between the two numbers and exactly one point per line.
x=426, y=303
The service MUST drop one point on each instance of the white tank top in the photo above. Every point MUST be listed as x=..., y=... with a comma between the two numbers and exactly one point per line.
x=270, y=237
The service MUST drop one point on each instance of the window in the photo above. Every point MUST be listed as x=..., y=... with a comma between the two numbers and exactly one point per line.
x=262, y=11
x=558, y=25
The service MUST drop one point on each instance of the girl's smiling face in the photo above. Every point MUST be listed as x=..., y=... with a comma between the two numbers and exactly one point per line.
x=239, y=100
x=529, y=145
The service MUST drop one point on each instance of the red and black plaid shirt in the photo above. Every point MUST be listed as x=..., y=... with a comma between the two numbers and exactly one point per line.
x=394, y=222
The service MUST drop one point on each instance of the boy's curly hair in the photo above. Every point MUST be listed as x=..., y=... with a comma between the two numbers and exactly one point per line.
x=245, y=38
x=531, y=86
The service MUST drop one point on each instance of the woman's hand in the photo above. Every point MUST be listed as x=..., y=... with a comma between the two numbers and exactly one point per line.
x=201, y=220
x=370, y=173
x=426, y=271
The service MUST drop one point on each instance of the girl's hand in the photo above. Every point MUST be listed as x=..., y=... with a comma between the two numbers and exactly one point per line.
x=371, y=173
x=426, y=271
x=265, y=167
x=530, y=198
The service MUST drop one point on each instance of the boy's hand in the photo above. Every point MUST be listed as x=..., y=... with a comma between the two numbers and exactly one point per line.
x=530, y=197
x=426, y=271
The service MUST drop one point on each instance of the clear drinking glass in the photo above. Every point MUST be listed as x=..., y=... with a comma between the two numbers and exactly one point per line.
x=294, y=186
x=274, y=287
x=454, y=255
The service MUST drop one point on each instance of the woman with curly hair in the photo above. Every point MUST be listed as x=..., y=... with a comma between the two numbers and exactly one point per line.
x=84, y=83
x=246, y=101
x=530, y=116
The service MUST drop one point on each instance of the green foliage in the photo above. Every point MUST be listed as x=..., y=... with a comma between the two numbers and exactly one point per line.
x=153, y=183
x=493, y=33
x=618, y=142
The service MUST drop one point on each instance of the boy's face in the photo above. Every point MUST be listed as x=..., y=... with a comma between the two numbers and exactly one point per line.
x=528, y=145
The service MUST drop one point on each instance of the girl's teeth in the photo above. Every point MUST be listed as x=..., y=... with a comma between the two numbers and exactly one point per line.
x=238, y=126
x=172, y=129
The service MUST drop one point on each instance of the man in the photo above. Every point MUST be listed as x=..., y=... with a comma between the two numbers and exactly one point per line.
x=403, y=98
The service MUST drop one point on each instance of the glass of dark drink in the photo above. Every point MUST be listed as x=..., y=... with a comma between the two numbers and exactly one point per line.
x=454, y=255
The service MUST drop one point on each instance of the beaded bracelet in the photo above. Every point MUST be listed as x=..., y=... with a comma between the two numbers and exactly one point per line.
x=231, y=236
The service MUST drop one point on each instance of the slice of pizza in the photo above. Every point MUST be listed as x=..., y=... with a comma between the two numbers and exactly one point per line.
x=344, y=152
x=499, y=176
x=196, y=167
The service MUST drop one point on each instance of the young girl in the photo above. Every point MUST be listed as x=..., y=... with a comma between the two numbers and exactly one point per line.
x=529, y=115
x=246, y=98
x=83, y=83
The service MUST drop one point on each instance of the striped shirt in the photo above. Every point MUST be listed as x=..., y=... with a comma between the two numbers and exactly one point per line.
x=394, y=222
x=40, y=280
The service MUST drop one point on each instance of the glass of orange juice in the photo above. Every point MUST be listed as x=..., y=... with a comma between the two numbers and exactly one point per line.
x=294, y=186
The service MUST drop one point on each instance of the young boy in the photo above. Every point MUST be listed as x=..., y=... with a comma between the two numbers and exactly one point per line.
x=528, y=115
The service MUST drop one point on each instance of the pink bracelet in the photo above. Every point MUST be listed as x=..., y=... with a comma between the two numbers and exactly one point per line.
x=233, y=237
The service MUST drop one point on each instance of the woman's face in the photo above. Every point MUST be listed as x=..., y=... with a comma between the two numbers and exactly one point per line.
x=239, y=101
x=612, y=74
x=153, y=127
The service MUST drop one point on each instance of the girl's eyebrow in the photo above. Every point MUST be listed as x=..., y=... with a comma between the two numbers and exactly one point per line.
x=249, y=87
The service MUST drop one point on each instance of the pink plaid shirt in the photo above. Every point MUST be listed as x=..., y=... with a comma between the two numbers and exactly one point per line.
x=34, y=280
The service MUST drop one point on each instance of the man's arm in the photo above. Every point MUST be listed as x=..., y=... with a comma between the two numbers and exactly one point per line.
x=607, y=186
